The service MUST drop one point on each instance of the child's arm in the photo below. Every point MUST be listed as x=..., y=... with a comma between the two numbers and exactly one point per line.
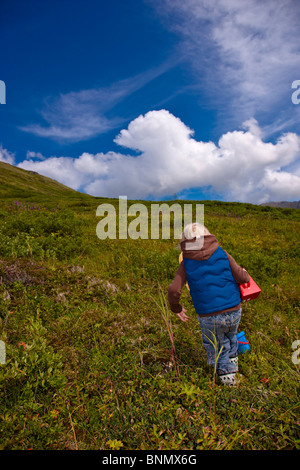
x=240, y=274
x=174, y=290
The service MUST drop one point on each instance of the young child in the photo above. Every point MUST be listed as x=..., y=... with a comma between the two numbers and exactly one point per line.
x=213, y=279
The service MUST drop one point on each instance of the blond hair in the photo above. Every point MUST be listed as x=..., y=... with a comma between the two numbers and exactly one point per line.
x=194, y=230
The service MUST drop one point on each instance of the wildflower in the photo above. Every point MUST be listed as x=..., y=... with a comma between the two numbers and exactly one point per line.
x=265, y=381
x=54, y=414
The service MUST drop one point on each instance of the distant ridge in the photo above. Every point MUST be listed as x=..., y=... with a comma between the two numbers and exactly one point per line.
x=283, y=204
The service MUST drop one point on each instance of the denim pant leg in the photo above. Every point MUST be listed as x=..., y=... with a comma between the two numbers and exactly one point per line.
x=219, y=339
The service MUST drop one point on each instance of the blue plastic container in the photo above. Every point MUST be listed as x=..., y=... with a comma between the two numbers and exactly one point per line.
x=243, y=344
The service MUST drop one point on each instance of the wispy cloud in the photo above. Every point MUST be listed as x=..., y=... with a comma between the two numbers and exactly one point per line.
x=245, y=54
x=6, y=156
x=77, y=116
x=34, y=155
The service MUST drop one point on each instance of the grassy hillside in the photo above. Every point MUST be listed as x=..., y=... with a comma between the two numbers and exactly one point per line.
x=89, y=361
x=18, y=183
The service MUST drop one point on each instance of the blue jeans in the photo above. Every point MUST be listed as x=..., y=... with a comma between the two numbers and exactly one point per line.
x=219, y=331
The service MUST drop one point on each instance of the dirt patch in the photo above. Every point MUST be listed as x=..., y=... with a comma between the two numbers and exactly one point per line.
x=26, y=272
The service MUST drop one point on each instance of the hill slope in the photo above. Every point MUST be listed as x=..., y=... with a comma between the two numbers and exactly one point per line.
x=18, y=183
x=90, y=361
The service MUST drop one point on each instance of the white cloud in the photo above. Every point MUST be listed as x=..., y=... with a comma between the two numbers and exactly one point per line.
x=30, y=155
x=245, y=54
x=74, y=116
x=6, y=156
x=240, y=167
x=81, y=115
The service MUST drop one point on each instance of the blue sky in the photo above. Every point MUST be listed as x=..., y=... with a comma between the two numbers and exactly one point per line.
x=151, y=98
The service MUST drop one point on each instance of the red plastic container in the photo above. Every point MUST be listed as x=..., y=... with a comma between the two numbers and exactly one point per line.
x=249, y=291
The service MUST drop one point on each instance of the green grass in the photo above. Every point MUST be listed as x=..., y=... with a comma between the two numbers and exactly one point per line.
x=94, y=359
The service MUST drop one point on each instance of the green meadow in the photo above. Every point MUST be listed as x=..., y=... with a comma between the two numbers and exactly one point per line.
x=94, y=359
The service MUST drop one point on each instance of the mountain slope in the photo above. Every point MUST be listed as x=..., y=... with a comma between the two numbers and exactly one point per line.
x=283, y=204
x=89, y=338
x=16, y=182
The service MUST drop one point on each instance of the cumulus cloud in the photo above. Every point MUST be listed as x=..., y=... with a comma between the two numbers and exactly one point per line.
x=240, y=167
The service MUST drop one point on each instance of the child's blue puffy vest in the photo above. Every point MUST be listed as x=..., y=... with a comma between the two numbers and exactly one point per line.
x=212, y=285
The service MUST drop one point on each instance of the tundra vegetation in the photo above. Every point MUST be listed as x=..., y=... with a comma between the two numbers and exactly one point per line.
x=94, y=357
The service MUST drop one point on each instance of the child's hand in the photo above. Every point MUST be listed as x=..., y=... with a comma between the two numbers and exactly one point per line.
x=182, y=315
